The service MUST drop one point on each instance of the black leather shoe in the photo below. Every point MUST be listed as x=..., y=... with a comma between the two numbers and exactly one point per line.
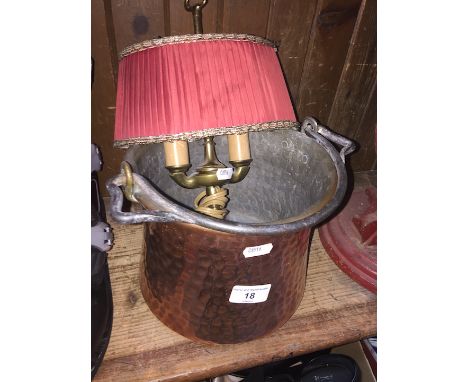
x=315, y=367
x=331, y=368
x=101, y=292
x=101, y=311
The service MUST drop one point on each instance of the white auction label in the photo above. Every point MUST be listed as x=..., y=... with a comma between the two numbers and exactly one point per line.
x=249, y=294
x=224, y=173
x=259, y=250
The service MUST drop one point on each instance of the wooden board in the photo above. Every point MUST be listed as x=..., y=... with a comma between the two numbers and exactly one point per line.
x=246, y=16
x=334, y=311
x=137, y=20
x=366, y=155
x=358, y=79
x=330, y=36
x=292, y=42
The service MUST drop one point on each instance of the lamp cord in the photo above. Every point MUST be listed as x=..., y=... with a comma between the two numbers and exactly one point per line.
x=212, y=205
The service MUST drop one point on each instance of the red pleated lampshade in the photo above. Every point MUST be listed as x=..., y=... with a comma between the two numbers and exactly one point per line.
x=189, y=87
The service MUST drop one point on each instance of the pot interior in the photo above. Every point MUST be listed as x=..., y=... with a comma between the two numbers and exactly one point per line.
x=291, y=176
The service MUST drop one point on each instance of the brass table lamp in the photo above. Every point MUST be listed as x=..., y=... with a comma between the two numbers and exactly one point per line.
x=182, y=88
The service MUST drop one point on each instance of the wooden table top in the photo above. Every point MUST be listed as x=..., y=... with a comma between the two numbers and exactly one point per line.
x=334, y=311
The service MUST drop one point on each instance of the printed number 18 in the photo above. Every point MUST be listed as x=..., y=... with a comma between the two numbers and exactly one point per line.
x=250, y=295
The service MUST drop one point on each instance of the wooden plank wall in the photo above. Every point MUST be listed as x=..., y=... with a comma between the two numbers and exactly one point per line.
x=327, y=48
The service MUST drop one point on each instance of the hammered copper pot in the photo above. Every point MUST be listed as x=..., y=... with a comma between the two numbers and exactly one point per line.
x=198, y=276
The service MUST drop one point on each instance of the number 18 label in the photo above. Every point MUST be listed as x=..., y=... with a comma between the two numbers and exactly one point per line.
x=249, y=294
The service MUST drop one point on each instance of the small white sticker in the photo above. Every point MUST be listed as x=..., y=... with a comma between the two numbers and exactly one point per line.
x=224, y=173
x=249, y=294
x=259, y=250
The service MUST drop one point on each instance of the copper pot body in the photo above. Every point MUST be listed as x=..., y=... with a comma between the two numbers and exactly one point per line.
x=192, y=262
x=187, y=280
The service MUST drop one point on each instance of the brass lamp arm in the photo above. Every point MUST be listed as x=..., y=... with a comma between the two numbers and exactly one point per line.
x=181, y=178
x=241, y=169
x=195, y=180
x=178, y=174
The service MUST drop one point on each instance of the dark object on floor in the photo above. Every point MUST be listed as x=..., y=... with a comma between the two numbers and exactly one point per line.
x=350, y=238
x=101, y=293
x=318, y=366
x=331, y=368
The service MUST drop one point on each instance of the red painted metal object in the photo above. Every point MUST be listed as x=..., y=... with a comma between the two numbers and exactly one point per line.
x=351, y=237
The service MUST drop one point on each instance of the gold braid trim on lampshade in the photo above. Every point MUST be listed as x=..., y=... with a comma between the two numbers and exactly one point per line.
x=191, y=136
x=189, y=38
